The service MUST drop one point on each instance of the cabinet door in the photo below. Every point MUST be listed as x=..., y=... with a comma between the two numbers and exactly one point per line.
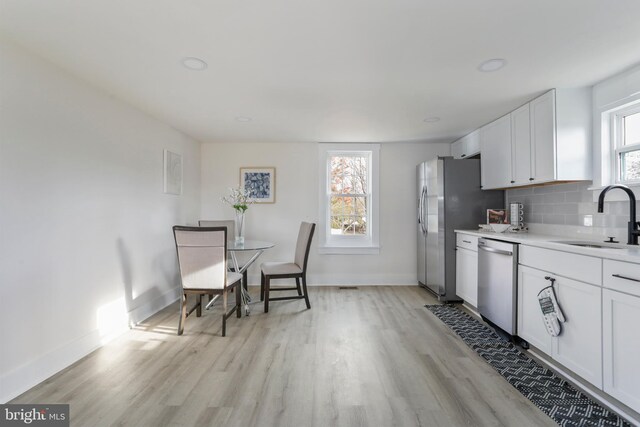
x=467, y=275
x=467, y=146
x=530, y=322
x=621, y=319
x=495, y=143
x=543, y=137
x=473, y=143
x=579, y=346
x=521, y=146
x=457, y=149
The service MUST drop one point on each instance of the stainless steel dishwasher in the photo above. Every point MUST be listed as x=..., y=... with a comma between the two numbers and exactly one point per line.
x=497, y=282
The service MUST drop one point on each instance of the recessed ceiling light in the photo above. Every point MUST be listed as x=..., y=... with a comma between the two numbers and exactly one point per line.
x=492, y=65
x=243, y=119
x=195, y=64
x=431, y=119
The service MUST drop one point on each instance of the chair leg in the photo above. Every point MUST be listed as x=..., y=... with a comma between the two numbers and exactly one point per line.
x=183, y=314
x=224, y=313
x=239, y=301
x=266, y=293
x=245, y=282
x=306, y=293
x=298, y=286
x=199, y=306
x=261, y=286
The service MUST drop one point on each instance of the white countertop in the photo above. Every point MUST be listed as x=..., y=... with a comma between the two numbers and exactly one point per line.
x=627, y=253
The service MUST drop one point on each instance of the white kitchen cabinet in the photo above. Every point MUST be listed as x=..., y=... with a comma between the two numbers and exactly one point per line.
x=530, y=323
x=576, y=266
x=467, y=146
x=549, y=140
x=467, y=275
x=495, y=162
x=543, y=139
x=521, y=146
x=621, y=319
x=467, y=268
x=578, y=347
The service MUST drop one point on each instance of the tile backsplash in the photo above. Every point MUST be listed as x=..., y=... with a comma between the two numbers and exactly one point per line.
x=550, y=206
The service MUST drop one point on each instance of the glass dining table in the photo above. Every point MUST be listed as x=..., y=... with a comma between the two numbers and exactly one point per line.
x=253, y=247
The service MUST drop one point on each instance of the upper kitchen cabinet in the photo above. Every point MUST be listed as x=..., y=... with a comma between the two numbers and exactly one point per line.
x=542, y=116
x=549, y=141
x=467, y=146
x=495, y=146
x=521, y=146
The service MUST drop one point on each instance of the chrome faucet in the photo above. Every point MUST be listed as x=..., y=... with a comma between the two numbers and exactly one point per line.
x=632, y=227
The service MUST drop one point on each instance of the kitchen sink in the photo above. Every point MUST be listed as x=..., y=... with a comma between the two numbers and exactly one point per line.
x=590, y=244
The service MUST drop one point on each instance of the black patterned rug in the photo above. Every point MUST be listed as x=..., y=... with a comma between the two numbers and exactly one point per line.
x=554, y=396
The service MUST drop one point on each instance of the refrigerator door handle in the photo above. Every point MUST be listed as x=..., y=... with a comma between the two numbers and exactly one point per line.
x=424, y=200
x=421, y=210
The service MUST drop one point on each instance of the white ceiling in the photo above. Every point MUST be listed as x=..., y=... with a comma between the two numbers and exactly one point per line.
x=328, y=70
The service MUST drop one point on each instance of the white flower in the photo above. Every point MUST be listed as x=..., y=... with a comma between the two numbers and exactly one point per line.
x=238, y=198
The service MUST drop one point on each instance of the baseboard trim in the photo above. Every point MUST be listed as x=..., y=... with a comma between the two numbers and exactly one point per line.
x=30, y=374
x=147, y=310
x=21, y=379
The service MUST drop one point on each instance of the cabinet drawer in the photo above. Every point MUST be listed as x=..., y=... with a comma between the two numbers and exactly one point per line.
x=580, y=267
x=467, y=241
x=622, y=276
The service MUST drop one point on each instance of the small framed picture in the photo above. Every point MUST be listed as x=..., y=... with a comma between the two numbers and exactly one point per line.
x=260, y=182
x=172, y=173
x=497, y=216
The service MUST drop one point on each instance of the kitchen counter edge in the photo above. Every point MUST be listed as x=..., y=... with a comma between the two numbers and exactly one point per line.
x=626, y=253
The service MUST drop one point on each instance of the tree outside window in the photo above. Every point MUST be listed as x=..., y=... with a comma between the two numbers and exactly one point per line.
x=349, y=194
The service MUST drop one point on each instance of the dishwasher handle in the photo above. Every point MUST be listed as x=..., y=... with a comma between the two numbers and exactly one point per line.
x=495, y=251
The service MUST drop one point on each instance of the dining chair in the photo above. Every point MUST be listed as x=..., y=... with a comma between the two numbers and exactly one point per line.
x=231, y=226
x=289, y=270
x=229, y=223
x=202, y=259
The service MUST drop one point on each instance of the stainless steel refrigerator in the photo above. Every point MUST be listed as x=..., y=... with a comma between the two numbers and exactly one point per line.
x=449, y=198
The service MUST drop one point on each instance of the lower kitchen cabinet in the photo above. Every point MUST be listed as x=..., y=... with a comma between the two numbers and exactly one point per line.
x=530, y=324
x=467, y=275
x=578, y=347
x=621, y=320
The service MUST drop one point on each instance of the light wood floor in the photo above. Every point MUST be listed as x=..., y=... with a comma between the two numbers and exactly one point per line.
x=368, y=357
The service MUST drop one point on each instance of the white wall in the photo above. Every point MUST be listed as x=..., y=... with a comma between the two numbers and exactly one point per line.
x=297, y=196
x=85, y=229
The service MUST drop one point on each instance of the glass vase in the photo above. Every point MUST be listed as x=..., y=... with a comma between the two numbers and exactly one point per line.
x=239, y=231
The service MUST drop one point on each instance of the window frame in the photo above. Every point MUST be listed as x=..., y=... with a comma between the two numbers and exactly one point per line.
x=617, y=138
x=349, y=244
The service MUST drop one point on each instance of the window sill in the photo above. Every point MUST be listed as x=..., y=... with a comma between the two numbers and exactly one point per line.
x=349, y=250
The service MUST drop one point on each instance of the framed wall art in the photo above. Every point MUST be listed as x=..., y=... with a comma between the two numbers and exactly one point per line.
x=172, y=172
x=260, y=182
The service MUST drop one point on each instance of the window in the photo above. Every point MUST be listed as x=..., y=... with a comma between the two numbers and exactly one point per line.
x=349, y=204
x=616, y=142
x=626, y=131
x=349, y=194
